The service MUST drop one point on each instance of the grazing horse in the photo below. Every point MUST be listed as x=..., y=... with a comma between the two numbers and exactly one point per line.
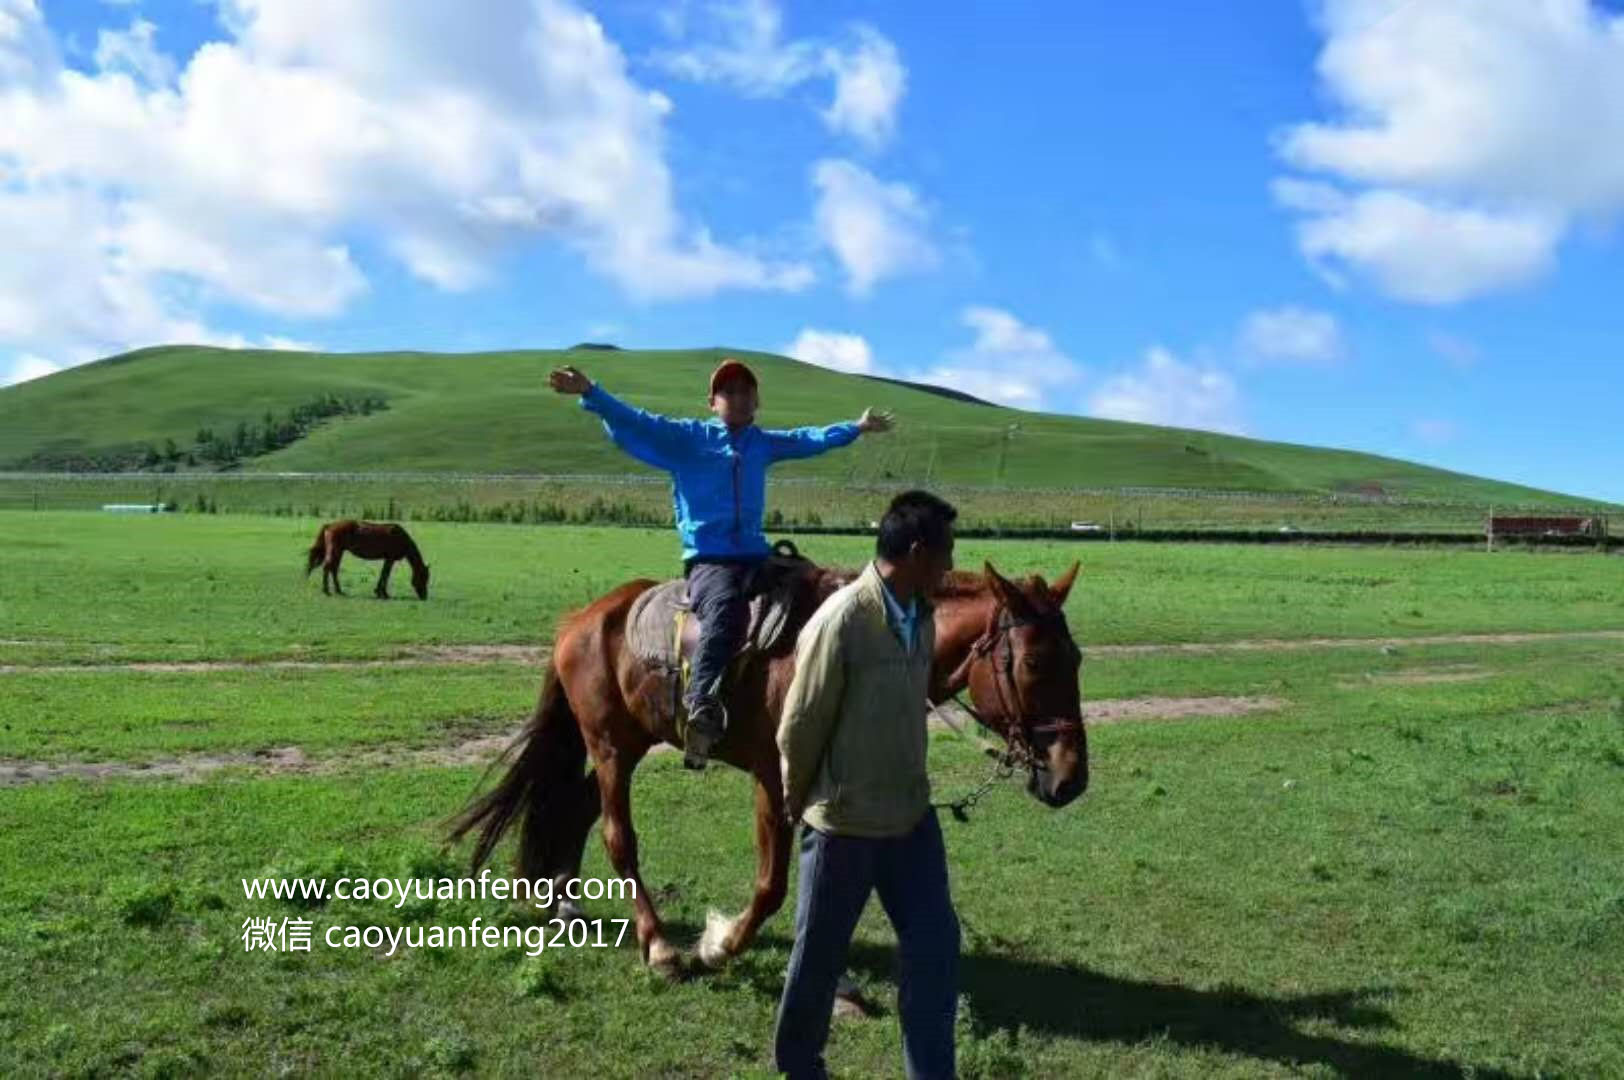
x=366, y=540
x=1007, y=644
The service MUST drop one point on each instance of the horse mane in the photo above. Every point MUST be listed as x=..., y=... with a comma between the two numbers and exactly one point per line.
x=962, y=585
x=958, y=585
x=412, y=555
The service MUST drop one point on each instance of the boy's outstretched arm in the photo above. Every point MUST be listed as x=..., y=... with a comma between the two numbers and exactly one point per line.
x=656, y=440
x=808, y=442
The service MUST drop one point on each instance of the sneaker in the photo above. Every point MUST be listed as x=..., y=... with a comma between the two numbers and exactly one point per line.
x=705, y=725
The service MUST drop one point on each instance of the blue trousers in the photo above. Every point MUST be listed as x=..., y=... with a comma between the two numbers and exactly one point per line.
x=837, y=874
x=716, y=592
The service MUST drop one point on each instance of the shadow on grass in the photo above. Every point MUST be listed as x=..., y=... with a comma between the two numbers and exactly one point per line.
x=1008, y=993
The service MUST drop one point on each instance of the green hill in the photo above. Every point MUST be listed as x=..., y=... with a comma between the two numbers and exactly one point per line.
x=493, y=413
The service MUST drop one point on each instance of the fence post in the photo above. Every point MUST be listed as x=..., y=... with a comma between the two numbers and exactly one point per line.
x=1489, y=529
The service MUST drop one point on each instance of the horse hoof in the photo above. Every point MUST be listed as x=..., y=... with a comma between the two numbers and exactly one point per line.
x=713, y=942
x=851, y=1008
x=849, y=1000
x=665, y=959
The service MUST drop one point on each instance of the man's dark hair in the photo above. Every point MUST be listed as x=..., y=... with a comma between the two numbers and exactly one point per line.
x=914, y=516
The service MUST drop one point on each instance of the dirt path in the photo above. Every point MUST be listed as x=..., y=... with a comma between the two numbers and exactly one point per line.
x=484, y=749
x=428, y=656
x=277, y=760
x=1446, y=673
x=452, y=655
x=1285, y=644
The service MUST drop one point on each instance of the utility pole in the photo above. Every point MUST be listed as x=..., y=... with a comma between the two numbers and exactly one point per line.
x=1003, y=450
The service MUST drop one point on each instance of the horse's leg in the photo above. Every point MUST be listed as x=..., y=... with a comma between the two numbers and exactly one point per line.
x=615, y=785
x=578, y=807
x=333, y=559
x=382, y=588
x=725, y=938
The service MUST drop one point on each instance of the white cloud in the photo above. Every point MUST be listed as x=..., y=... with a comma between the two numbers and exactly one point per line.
x=1009, y=363
x=876, y=229
x=831, y=349
x=26, y=49
x=1475, y=134
x=28, y=366
x=244, y=177
x=1420, y=251
x=132, y=52
x=1459, y=352
x=869, y=83
x=1292, y=335
x=278, y=343
x=1166, y=390
x=747, y=52
x=1435, y=432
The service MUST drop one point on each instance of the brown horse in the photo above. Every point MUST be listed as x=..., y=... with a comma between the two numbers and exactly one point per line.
x=1007, y=643
x=366, y=540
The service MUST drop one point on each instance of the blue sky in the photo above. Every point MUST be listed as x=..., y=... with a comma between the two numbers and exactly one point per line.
x=1387, y=225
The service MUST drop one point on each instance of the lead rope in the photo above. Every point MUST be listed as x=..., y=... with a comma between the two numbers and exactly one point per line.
x=1003, y=766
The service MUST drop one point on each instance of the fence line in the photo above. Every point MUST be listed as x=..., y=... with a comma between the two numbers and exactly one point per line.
x=1329, y=499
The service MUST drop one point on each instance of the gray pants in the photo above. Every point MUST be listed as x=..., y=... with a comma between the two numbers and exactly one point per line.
x=717, y=594
x=837, y=875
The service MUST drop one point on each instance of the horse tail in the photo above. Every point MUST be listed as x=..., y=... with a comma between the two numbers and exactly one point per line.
x=318, y=551
x=535, y=789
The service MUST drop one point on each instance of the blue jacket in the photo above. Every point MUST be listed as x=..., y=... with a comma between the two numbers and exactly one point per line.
x=718, y=477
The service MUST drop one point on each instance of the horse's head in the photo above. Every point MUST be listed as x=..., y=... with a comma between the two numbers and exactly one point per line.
x=1023, y=678
x=420, y=580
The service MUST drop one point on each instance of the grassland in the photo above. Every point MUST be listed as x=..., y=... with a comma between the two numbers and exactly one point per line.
x=1411, y=865
x=490, y=413
x=796, y=505
x=187, y=588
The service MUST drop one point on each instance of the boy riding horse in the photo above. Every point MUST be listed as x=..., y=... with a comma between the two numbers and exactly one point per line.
x=719, y=485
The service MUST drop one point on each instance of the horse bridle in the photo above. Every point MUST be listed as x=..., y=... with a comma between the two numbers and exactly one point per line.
x=1022, y=726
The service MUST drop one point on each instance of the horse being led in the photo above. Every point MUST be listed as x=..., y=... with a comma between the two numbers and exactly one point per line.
x=1007, y=643
x=366, y=540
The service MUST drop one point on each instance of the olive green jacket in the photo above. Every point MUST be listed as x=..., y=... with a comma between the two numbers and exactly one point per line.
x=852, y=736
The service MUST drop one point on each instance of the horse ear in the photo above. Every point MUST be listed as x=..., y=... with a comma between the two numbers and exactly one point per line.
x=1007, y=591
x=1062, y=588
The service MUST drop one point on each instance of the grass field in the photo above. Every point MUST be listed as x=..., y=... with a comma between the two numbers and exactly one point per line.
x=187, y=588
x=1410, y=863
x=491, y=413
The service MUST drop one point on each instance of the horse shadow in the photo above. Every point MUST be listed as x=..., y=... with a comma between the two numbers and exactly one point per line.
x=1009, y=994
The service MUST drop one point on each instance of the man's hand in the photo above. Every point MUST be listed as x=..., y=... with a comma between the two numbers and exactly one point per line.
x=876, y=421
x=569, y=380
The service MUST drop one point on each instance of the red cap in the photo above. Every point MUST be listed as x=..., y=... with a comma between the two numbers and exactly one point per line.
x=728, y=370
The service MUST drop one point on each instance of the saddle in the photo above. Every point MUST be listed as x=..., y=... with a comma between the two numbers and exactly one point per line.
x=662, y=630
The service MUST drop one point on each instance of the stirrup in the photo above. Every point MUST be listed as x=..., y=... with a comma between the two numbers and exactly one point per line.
x=698, y=741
